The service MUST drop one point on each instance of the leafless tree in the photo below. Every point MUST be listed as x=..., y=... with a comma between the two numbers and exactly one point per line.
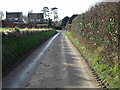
x=46, y=12
x=1, y=16
x=55, y=13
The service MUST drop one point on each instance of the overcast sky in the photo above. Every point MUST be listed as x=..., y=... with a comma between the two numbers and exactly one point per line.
x=65, y=7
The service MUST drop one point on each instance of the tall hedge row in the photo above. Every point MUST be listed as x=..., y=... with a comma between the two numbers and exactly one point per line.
x=99, y=26
x=99, y=29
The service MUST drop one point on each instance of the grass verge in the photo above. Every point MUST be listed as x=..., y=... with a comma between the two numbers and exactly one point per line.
x=14, y=48
x=109, y=74
x=5, y=29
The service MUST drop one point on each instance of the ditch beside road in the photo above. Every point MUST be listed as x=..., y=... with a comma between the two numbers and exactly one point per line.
x=56, y=64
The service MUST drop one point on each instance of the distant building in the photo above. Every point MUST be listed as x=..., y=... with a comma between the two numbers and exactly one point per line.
x=15, y=17
x=71, y=18
x=36, y=18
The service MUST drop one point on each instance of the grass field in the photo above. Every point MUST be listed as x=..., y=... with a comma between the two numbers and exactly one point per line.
x=15, y=47
x=35, y=29
x=5, y=29
x=28, y=29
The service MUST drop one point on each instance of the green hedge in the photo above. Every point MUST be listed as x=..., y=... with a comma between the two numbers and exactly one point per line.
x=13, y=48
x=110, y=75
x=97, y=30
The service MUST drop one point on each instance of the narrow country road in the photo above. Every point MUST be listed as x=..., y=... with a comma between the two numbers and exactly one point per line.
x=56, y=64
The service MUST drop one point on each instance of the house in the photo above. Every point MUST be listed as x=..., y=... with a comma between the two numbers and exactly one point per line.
x=72, y=17
x=36, y=18
x=15, y=17
x=69, y=23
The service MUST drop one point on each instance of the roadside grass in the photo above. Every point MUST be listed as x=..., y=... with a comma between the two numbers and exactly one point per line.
x=14, y=48
x=25, y=29
x=5, y=29
x=109, y=74
x=36, y=29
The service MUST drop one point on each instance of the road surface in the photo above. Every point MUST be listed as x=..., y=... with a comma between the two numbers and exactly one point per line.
x=56, y=64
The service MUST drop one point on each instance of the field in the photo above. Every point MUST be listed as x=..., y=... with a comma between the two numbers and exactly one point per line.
x=4, y=29
x=25, y=29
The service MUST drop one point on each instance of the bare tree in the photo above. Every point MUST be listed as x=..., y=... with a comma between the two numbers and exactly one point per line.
x=55, y=13
x=1, y=16
x=46, y=12
x=25, y=19
x=31, y=11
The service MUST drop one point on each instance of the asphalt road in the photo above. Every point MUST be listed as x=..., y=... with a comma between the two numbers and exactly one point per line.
x=56, y=64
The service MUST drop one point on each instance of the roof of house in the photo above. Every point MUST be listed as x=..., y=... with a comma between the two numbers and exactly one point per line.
x=72, y=17
x=13, y=14
x=35, y=15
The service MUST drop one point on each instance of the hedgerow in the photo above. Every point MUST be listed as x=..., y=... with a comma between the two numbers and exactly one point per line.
x=97, y=30
x=16, y=46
